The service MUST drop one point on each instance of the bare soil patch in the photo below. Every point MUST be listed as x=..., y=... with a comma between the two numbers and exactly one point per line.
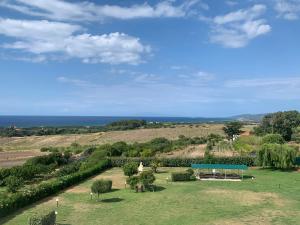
x=247, y=198
x=15, y=158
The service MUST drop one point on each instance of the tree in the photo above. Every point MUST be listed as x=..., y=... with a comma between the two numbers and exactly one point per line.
x=281, y=123
x=13, y=183
x=147, y=178
x=101, y=186
x=232, y=128
x=277, y=156
x=154, y=165
x=130, y=169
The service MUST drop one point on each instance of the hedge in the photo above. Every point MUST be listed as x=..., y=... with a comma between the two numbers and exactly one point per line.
x=21, y=199
x=180, y=176
x=47, y=219
x=185, y=162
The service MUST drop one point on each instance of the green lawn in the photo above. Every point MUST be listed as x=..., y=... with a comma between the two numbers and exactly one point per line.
x=273, y=197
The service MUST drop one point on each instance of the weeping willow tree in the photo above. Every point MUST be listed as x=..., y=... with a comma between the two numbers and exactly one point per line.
x=277, y=156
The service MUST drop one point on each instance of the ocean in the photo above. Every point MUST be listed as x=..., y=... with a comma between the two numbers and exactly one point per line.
x=59, y=121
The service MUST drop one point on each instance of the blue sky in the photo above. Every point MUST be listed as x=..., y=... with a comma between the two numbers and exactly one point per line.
x=156, y=58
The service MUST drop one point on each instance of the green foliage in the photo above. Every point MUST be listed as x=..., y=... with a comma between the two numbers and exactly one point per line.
x=96, y=156
x=132, y=181
x=147, y=178
x=246, y=144
x=272, y=139
x=130, y=168
x=232, y=128
x=69, y=169
x=126, y=124
x=101, y=186
x=213, y=139
x=14, y=183
x=47, y=219
x=154, y=165
x=190, y=171
x=184, y=162
x=296, y=135
x=118, y=148
x=281, y=123
x=277, y=156
x=26, y=172
x=208, y=157
x=53, y=158
x=35, y=193
x=180, y=176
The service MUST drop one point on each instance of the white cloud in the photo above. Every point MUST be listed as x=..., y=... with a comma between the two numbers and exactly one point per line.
x=236, y=29
x=267, y=82
x=88, y=11
x=288, y=9
x=44, y=37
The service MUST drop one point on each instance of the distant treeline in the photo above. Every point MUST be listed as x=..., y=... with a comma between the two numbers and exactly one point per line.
x=41, y=131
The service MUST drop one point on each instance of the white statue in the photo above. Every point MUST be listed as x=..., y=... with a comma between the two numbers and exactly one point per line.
x=141, y=167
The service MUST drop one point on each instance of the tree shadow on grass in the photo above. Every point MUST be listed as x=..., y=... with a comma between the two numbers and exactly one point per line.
x=159, y=188
x=111, y=200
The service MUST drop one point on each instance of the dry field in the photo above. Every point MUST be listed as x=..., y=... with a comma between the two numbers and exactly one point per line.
x=17, y=150
x=35, y=143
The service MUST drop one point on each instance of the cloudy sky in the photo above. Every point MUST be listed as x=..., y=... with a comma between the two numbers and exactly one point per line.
x=154, y=58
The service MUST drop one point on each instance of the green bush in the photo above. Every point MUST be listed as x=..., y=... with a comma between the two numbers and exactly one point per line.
x=130, y=168
x=132, y=181
x=13, y=183
x=147, y=178
x=47, y=219
x=180, y=176
x=246, y=144
x=190, y=171
x=101, y=186
x=272, y=139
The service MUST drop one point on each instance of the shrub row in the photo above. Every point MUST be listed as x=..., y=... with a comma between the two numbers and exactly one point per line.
x=181, y=176
x=21, y=199
x=47, y=219
x=184, y=162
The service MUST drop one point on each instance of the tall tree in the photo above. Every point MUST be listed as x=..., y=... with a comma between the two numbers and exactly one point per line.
x=232, y=128
x=281, y=123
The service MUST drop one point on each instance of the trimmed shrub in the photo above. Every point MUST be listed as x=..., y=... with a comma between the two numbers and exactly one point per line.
x=184, y=162
x=181, y=176
x=132, y=181
x=147, y=178
x=47, y=219
x=101, y=186
x=130, y=168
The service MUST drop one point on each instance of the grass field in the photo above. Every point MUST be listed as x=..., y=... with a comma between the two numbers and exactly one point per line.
x=130, y=136
x=271, y=198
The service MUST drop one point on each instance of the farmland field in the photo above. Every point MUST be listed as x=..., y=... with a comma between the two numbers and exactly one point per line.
x=35, y=143
x=271, y=198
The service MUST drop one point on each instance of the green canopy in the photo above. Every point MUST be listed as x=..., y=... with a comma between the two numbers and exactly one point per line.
x=220, y=166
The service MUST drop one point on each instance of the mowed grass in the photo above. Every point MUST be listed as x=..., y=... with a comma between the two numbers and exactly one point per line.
x=271, y=198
